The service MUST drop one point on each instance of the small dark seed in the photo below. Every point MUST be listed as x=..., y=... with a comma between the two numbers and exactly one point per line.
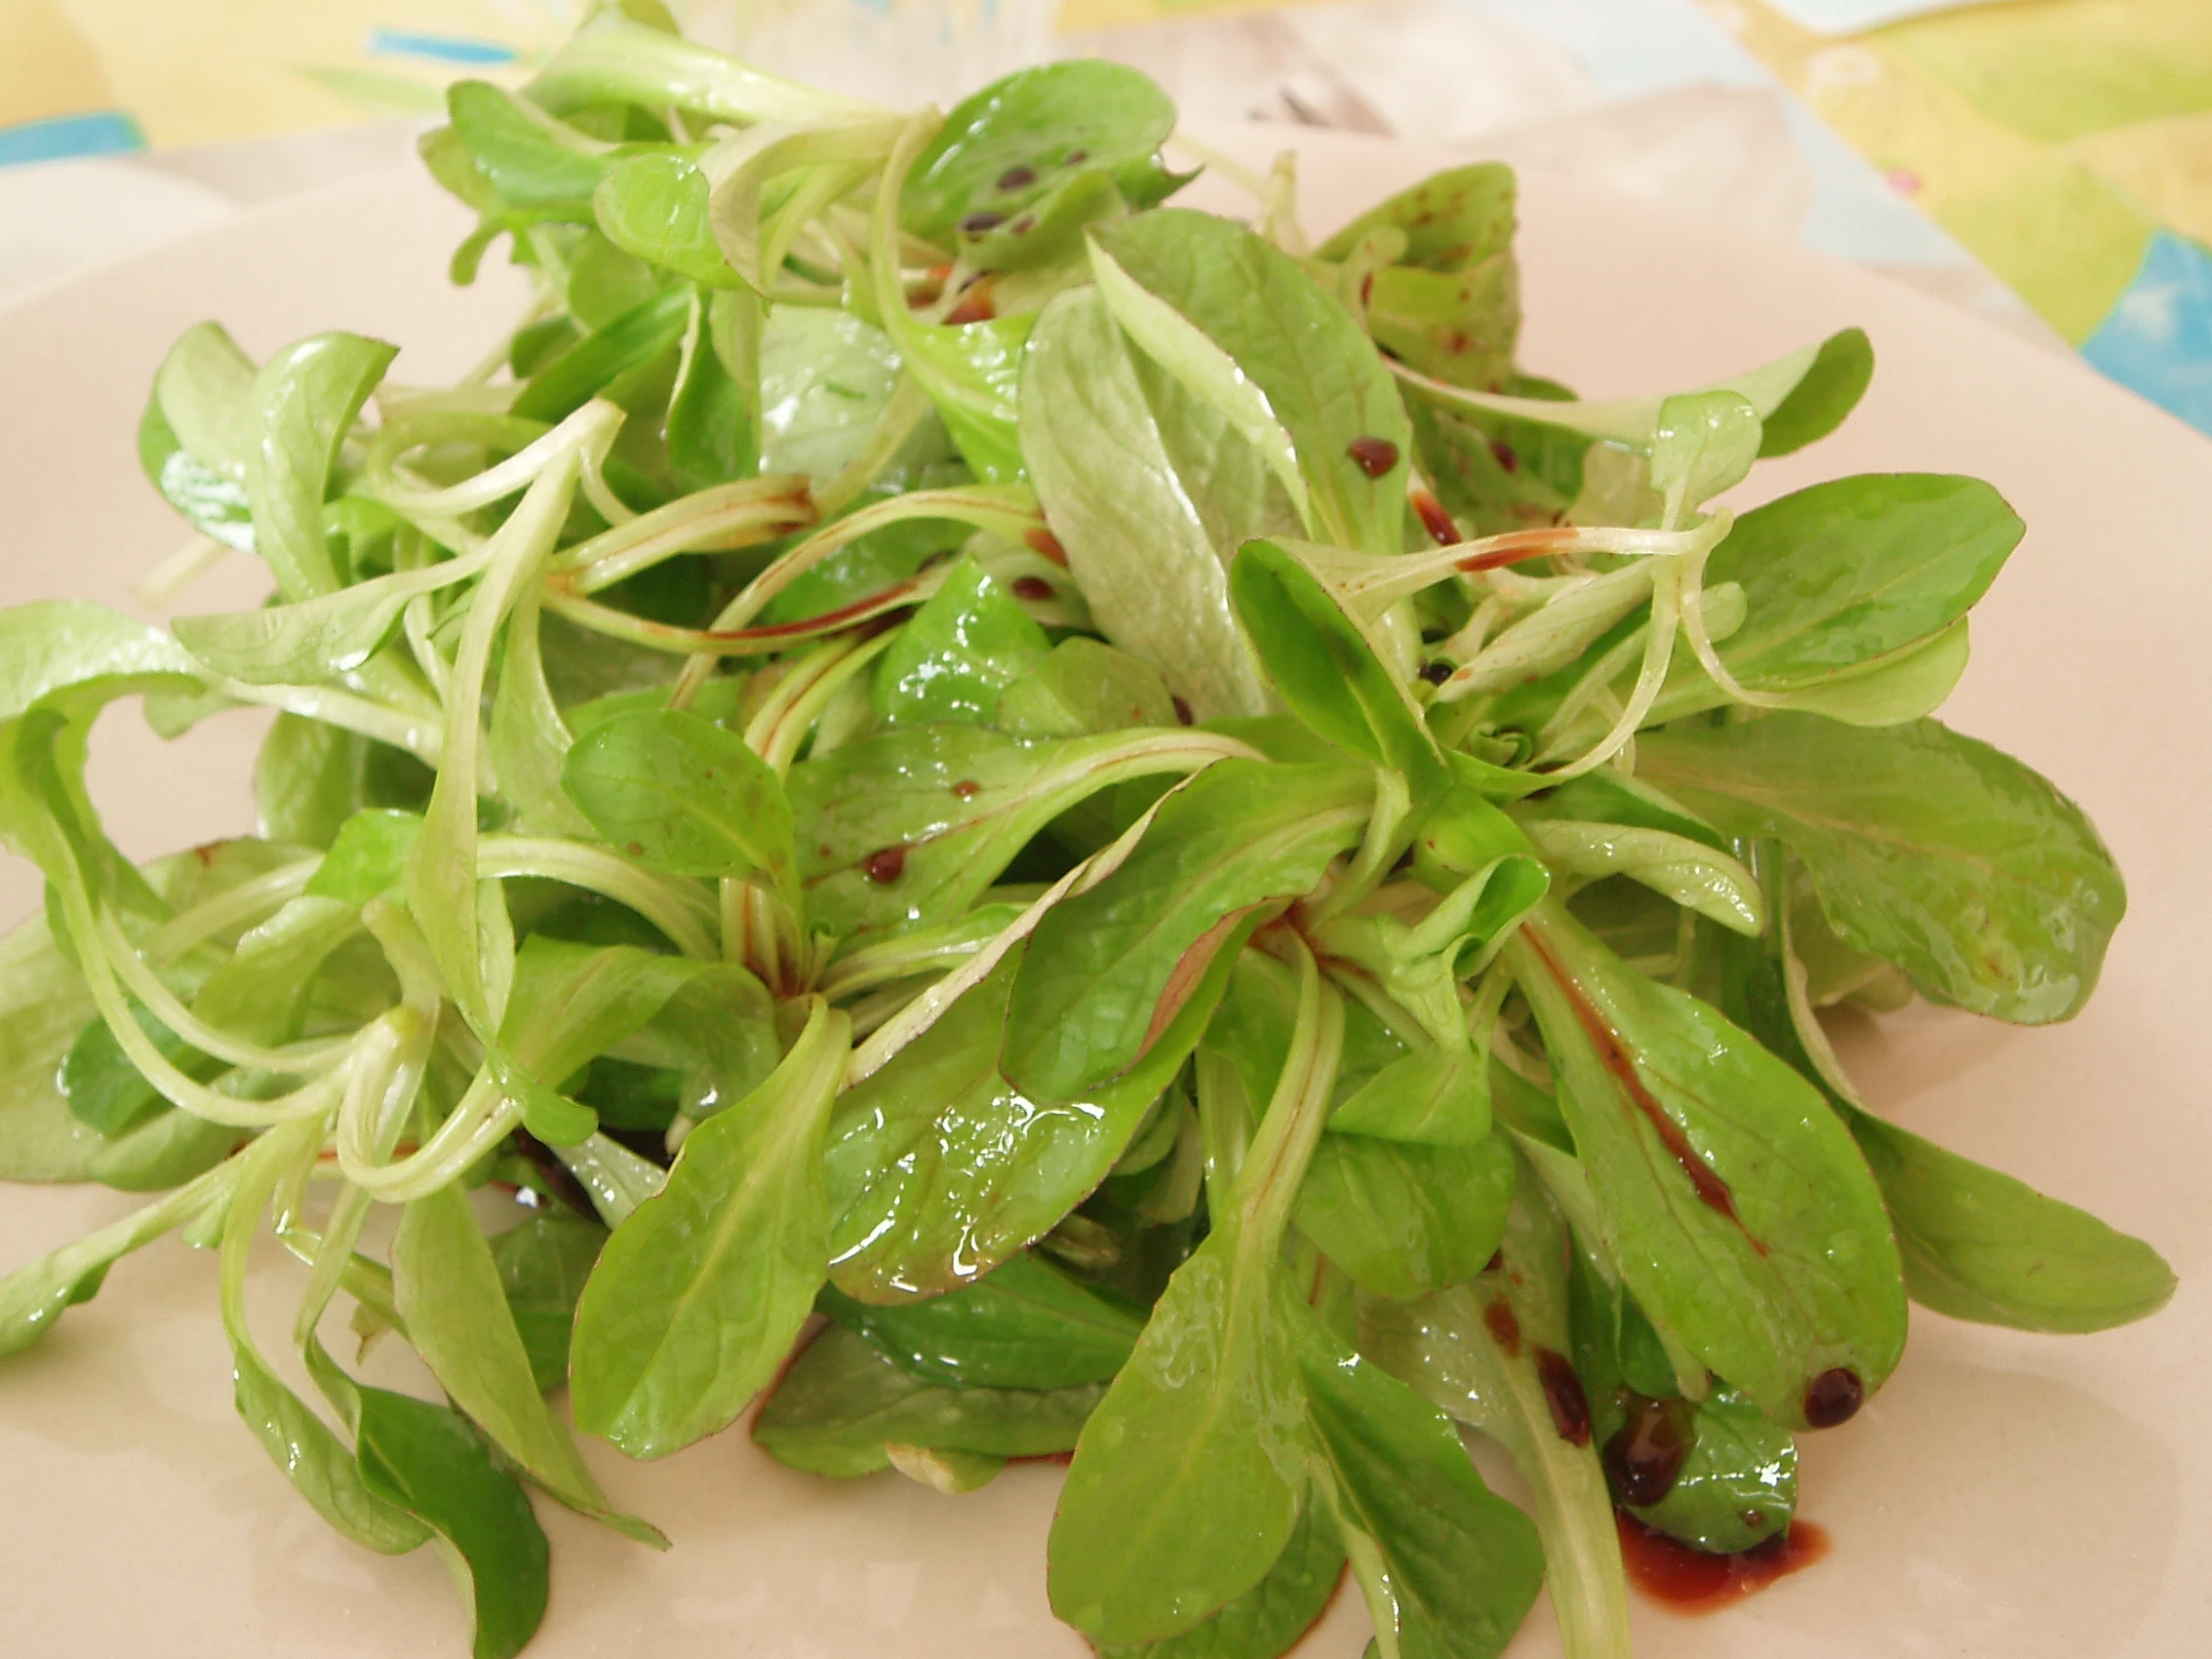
x=1032, y=587
x=1076, y=158
x=1372, y=456
x=885, y=867
x=1834, y=1396
x=1437, y=671
x=1563, y=1397
x=1182, y=712
x=1017, y=178
x=1644, y=1456
x=977, y=222
x=1024, y=225
x=968, y=788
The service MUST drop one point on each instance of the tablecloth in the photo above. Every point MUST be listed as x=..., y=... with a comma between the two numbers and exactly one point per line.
x=2048, y=163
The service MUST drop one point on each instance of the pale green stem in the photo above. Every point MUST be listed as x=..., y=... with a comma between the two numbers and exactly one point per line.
x=244, y=906
x=678, y=909
x=303, y=1059
x=754, y=509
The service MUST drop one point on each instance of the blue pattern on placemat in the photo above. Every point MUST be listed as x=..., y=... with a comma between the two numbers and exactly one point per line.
x=416, y=43
x=67, y=136
x=2158, y=339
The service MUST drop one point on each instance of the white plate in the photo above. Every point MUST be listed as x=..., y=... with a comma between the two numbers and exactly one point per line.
x=2006, y=1494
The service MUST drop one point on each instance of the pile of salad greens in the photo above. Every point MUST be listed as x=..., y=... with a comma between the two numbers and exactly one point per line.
x=1027, y=823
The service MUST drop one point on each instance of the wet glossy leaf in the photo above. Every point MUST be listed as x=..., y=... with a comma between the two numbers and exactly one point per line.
x=909, y=827
x=1141, y=537
x=1268, y=1619
x=1824, y=395
x=214, y=505
x=1406, y=1219
x=1459, y=325
x=1980, y=1244
x=67, y=646
x=204, y=391
x=681, y=794
x=1107, y=970
x=1701, y=444
x=842, y=1402
x=623, y=59
x=367, y=859
x=1448, y=1568
x=45, y=1009
x=1300, y=347
x=1449, y=305
x=1849, y=572
x=263, y=992
x=306, y=397
x=1925, y=847
x=573, y=1002
x=1737, y=1207
x=713, y=414
x=1492, y=1354
x=579, y=373
x=428, y=1462
x=1735, y=1484
x=1452, y=219
x=656, y=207
x=826, y=377
x=543, y=1263
x=1434, y=1096
x=37, y=1294
x=1629, y=422
x=1003, y=148
x=699, y=1295
x=1977, y=1244
x=197, y=431
x=939, y=1169
x=1044, y=241
x=972, y=372
x=1085, y=687
x=109, y=1094
x=1322, y=665
x=451, y=1292
x=960, y=653
x=1204, y=1420
x=1191, y=1476
x=310, y=778
x=321, y=1467
x=530, y=159
x=1024, y=1325
x=1495, y=472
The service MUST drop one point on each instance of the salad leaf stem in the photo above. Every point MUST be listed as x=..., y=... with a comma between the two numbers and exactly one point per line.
x=676, y=907
x=717, y=520
x=34, y=1295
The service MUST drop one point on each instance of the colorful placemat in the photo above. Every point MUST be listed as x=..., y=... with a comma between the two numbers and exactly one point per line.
x=101, y=77
x=2066, y=145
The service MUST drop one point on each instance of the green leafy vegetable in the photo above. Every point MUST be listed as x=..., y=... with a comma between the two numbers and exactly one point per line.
x=684, y=1318
x=1926, y=848
x=871, y=817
